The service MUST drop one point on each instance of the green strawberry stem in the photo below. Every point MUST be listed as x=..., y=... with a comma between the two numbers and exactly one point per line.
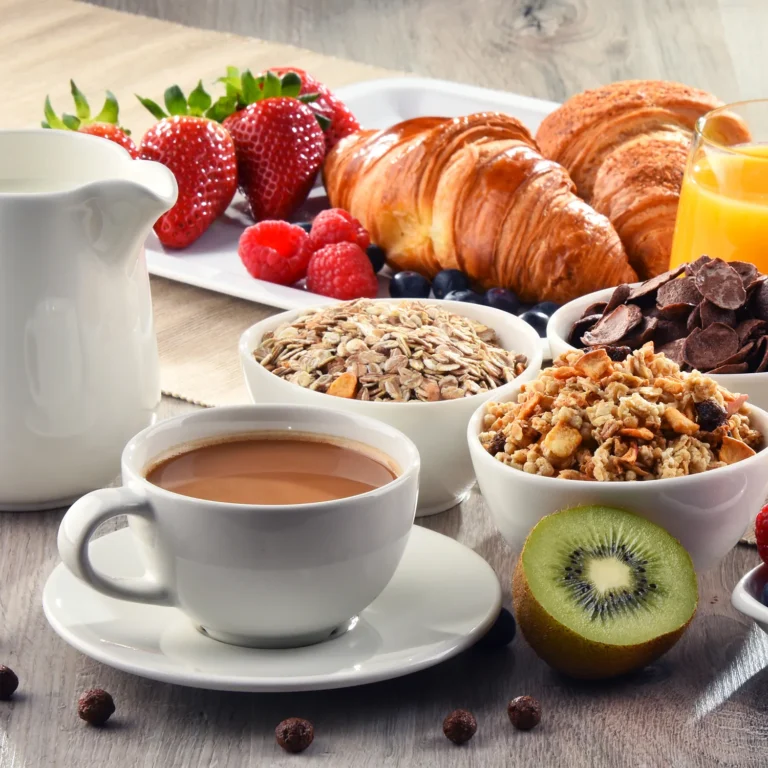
x=109, y=112
x=198, y=104
x=242, y=89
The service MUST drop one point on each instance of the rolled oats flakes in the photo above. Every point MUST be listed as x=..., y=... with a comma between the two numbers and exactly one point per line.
x=381, y=351
x=590, y=418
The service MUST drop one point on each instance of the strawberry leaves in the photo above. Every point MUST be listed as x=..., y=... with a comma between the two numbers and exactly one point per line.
x=109, y=112
x=198, y=104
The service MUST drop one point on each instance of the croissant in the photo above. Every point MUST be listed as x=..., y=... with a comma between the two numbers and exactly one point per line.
x=625, y=146
x=474, y=193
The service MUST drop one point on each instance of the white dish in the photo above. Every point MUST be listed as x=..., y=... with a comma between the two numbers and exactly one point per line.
x=212, y=262
x=746, y=596
x=437, y=429
x=559, y=327
x=707, y=512
x=441, y=600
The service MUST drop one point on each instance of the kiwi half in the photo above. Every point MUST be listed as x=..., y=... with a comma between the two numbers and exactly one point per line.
x=599, y=592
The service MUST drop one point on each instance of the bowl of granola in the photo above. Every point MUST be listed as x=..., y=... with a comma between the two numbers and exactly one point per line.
x=709, y=315
x=420, y=366
x=637, y=433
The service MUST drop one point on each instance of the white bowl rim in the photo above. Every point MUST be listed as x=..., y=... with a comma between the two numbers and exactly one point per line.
x=744, y=602
x=245, y=348
x=477, y=450
x=594, y=297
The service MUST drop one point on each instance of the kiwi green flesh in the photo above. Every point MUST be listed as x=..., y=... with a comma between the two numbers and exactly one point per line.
x=610, y=576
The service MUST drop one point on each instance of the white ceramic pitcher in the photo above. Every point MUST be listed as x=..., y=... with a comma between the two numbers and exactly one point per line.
x=79, y=370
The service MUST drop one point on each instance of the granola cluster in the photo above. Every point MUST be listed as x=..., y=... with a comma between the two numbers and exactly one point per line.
x=589, y=417
x=383, y=351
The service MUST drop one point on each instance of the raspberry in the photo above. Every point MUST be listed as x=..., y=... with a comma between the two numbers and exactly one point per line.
x=342, y=271
x=337, y=226
x=275, y=251
x=761, y=533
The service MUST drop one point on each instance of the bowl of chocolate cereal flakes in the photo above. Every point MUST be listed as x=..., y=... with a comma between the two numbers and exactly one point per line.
x=709, y=315
x=635, y=432
x=420, y=366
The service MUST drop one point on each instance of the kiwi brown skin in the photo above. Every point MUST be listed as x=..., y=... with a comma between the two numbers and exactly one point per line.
x=572, y=654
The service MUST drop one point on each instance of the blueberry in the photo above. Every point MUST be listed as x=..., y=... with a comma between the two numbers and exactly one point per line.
x=469, y=297
x=547, y=308
x=377, y=255
x=501, y=634
x=409, y=285
x=305, y=225
x=764, y=595
x=537, y=320
x=501, y=298
x=449, y=280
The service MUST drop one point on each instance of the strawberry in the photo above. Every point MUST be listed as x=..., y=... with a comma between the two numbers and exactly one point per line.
x=340, y=121
x=280, y=146
x=105, y=124
x=201, y=154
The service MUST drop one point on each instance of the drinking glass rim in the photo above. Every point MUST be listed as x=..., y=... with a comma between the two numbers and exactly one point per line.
x=701, y=121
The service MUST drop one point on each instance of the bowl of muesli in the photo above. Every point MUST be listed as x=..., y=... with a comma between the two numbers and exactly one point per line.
x=709, y=315
x=420, y=366
x=636, y=433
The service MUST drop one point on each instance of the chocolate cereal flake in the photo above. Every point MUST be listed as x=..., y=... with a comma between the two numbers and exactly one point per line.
x=680, y=291
x=613, y=327
x=721, y=284
x=706, y=349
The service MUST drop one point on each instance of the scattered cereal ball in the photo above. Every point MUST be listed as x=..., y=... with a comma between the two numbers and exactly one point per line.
x=460, y=726
x=8, y=682
x=295, y=734
x=524, y=712
x=95, y=706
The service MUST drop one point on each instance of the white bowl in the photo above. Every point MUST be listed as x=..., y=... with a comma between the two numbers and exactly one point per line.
x=746, y=596
x=559, y=327
x=707, y=512
x=438, y=429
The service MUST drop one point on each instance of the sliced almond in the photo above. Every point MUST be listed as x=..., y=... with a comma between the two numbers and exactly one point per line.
x=562, y=440
x=594, y=364
x=630, y=457
x=642, y=433
x=529, y=407
x=344, y=386
x=732, y=406
x=734, y=450
x=679, y=422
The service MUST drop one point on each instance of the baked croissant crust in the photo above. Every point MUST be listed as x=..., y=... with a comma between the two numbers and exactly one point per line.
x=625, y=146
x=474, y=193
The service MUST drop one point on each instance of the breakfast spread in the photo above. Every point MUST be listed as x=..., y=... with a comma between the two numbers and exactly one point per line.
x=382, y=351
x=474, y=193
x=599, y=592
x=589, y=417
x=708, y=315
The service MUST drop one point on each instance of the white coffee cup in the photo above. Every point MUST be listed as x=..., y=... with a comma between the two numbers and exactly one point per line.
x=256, y=575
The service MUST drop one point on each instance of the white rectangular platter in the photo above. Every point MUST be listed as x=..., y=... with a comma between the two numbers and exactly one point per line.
x=212, y=262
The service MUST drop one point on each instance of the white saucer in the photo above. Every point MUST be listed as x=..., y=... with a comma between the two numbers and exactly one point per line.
x=441, y=600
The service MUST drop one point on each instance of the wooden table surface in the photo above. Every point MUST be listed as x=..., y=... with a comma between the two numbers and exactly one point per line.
x=704, y=704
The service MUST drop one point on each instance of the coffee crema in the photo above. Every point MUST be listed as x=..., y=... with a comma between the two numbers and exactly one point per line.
x=273, y=469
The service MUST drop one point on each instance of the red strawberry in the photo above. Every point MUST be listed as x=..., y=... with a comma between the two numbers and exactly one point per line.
x=103, y=125
x=280, y=148
x=201, y=154
x=761, y=533
x=341, y=122
x=342, y=271
x=275, y=251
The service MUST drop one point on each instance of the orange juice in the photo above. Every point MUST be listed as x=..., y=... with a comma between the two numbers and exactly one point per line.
x=723, y=209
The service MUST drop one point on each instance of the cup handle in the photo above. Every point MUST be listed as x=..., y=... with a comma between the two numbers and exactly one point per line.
x=79, y=524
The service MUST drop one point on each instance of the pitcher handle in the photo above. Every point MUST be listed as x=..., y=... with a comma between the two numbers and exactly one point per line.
x=80, y=523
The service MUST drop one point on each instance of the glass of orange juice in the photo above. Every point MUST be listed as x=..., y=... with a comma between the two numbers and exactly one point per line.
x=723, y=210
